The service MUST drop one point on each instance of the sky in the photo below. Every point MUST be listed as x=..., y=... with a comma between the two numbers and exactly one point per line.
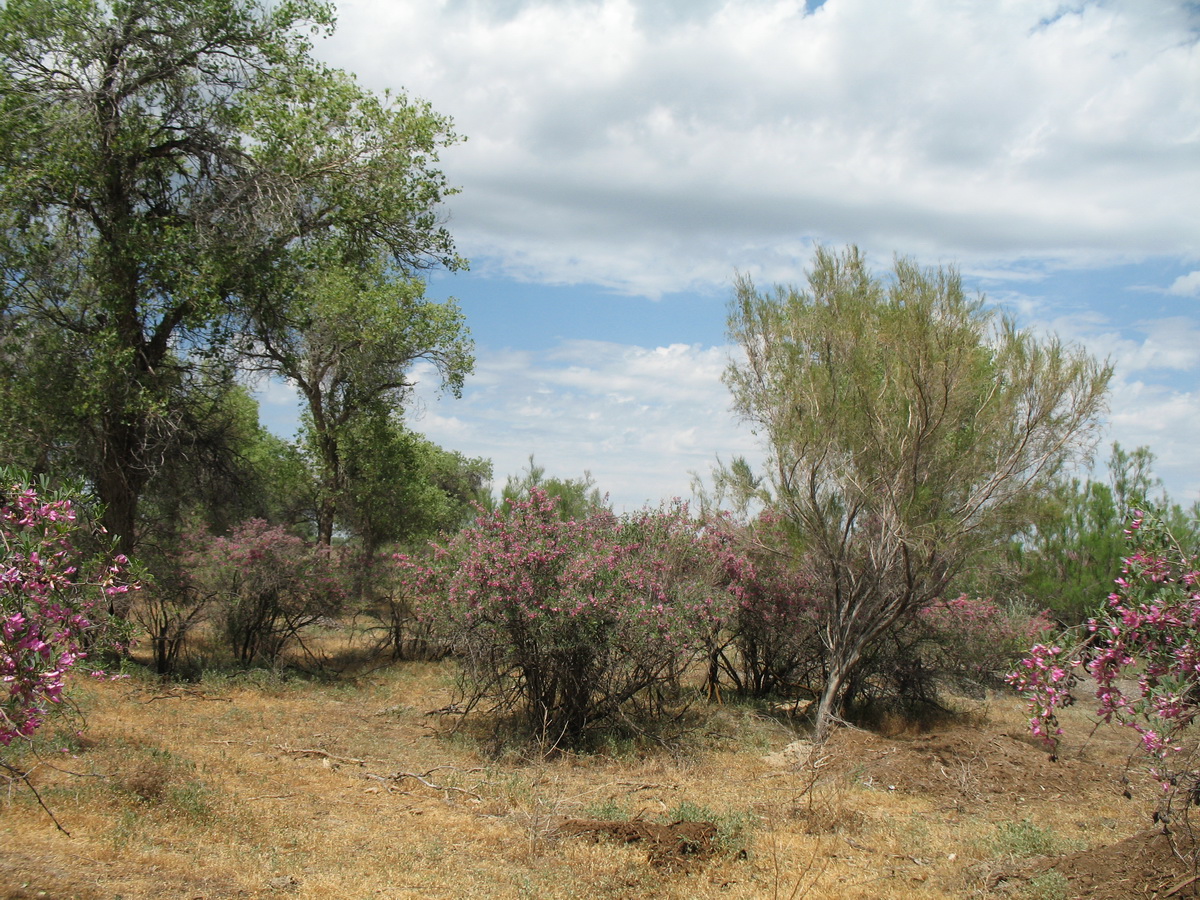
x=625, y=159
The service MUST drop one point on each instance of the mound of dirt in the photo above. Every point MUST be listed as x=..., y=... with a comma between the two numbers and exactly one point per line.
x=967, y=766
x=677, y=844
x=1144, y=865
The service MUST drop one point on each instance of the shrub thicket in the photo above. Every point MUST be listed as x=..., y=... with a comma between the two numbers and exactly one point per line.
x=571, y=624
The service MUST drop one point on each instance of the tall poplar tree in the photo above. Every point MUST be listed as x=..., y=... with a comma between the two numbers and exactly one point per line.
x=165, y=165
x=348, y=342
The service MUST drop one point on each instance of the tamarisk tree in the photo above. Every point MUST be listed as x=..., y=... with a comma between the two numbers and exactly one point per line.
x=907, y=428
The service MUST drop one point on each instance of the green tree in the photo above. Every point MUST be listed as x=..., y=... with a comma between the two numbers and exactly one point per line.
x=164, y=166
x=348, y=341
x=227, y=469
x=1073, y=552
x=1067, y=561
x=907, y=429
x=575, y=498
x=403, y=488
x=36, y=376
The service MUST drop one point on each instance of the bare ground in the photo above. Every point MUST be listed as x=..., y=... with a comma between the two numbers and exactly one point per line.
x=272, y=789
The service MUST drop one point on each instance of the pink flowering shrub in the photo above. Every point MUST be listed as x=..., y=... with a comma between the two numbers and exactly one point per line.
x=978, y=638
x=393, y=615
x=772, y=643
x=571, y=624
x=54, y=601
x=965, y=643
x=268, y=586
x=1143, y=652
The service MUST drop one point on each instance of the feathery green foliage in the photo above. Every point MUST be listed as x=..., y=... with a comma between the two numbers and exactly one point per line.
x=907, y=429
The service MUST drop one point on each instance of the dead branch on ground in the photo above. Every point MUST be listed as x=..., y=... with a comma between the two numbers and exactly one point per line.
x=393, y=781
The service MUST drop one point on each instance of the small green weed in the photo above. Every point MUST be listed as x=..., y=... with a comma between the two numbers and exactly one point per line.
x=156, y=778
x=1023, y=839
x=192, y=799
x=733, y=827
x=606, y=810
x=1052, y=885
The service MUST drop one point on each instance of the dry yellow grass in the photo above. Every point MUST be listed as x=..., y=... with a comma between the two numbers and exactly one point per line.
x=241, y=789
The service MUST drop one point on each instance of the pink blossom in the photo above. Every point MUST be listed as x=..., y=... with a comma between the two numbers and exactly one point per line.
x=48, y=603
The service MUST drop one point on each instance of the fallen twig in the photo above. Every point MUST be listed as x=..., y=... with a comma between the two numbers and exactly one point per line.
x=396, y=777
x=188, y=694
x=17, y=775
x=1181, y=885
x=321, y=753
x=452, y=710
x=646, y=786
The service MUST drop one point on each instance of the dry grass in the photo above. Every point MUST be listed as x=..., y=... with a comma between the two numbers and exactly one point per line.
x=270, y=788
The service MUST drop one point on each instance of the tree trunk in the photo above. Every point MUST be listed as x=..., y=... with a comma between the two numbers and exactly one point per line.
x=829, y=707
x=330, y=482
x=120, y=501
x=326, y=511
x=841, y=667
x=120, y=480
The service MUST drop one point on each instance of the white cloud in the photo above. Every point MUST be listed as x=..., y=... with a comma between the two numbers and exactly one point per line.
x=1153, y=401
x=279, y=405
x=652, y=146
x=613, y=143
x=1186, y=285
x=640, y=419
x=643, y=419
x=1171, y=344
x=1167, y=421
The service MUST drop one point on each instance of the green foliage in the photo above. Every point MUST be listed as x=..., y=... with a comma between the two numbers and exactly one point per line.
x=228, y=468
x=165, y=170
x=608, y=810
x=576, y=498
x=734, y=828
x=907, y=429
x=1020, y=840
x=348, y=340
x=155, y=778
x=1067, y=561
x=1051, y=885
x=403, y=488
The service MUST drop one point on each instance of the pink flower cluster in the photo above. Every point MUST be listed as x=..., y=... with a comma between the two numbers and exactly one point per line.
x=51, y=597
x=655, y=572
x=1046, y=676
x=581, y=615
x=1143, y=650
x=268, y=585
